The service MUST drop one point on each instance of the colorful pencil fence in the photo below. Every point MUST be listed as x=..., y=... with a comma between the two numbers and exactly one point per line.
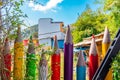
x=81, y=67
x=55, y=61
x=31, y=62
x=18, y=56
x=43, y=68
x=68, y=56
x=93, y=59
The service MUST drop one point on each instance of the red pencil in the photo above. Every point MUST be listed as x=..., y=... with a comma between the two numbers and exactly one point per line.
x=55, y=61
x=7, y=61
x=93, y=59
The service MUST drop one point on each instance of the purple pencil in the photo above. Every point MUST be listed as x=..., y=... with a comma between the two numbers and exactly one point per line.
x=68, y=56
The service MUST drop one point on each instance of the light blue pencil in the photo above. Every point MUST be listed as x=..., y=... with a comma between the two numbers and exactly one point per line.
x=81, y=67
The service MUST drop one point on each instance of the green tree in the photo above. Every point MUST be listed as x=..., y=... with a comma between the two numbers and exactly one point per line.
x=116, y=67
x=88, y=23
x=10, y=17
x=112, y=9
x=93, y=22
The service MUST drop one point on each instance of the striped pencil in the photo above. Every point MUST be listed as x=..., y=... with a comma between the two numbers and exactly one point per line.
x=81, y=67
x=43, y=68
x=18, y=56
x=93, y=59
x=55, y=61
x=68, y=56
x=31, y=61
x=7, y=61
x=105, y=46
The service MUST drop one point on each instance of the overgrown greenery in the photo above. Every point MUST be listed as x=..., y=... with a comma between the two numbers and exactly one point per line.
x=93, y=22
x=11, y=16
x=87, y=24
x=116, y=67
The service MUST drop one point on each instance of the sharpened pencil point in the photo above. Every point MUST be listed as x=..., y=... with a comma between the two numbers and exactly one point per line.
x=81, y=61
x=106, y=38
x=68, y=38
x=19, y=36
x=93, y=49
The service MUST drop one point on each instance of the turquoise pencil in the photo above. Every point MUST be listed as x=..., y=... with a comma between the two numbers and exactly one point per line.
x=81, y=67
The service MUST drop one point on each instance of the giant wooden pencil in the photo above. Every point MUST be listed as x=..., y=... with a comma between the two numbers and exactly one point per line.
x=68, y=56
x=55, y=61
x=105, y=46
x=7, y=61
x=81, y=67
x=43, y=68
x=93, y=59
x=31, y=61
x=18, y=56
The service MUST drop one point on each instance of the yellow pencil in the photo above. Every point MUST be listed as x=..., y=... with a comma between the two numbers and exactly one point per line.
x=105, y=46
x=18, y=57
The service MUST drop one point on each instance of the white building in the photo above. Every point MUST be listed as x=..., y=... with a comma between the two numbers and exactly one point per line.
x=47, y=30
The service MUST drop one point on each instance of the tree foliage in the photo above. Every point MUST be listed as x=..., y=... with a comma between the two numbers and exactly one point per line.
x=113, y=7
x=93, y=22
x=116, y=67
x=88, y=23
x=10, y=17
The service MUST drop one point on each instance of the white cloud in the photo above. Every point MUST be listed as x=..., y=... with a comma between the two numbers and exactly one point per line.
x=31, y=4
x=53, y=10
x=49, y=5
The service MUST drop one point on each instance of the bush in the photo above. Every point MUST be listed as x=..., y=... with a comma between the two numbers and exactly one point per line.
x=116, y=67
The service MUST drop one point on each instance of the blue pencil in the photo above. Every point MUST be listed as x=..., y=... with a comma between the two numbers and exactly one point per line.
x=81, y=67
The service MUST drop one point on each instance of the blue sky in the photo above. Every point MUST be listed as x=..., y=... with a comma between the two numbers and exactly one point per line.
x=59, y=10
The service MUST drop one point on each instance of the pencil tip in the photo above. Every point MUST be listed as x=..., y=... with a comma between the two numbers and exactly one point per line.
x=93, y=36
x=68, y=37
x=31, y=39
x=6, y=40
x=19, y=36
x=31, y=48
x=43, y=56
x=55, y=37
x=43, y=60
x=93, y=49
x=106, y=37
x=56, y=49
x=81, y=61
x=6, y=49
